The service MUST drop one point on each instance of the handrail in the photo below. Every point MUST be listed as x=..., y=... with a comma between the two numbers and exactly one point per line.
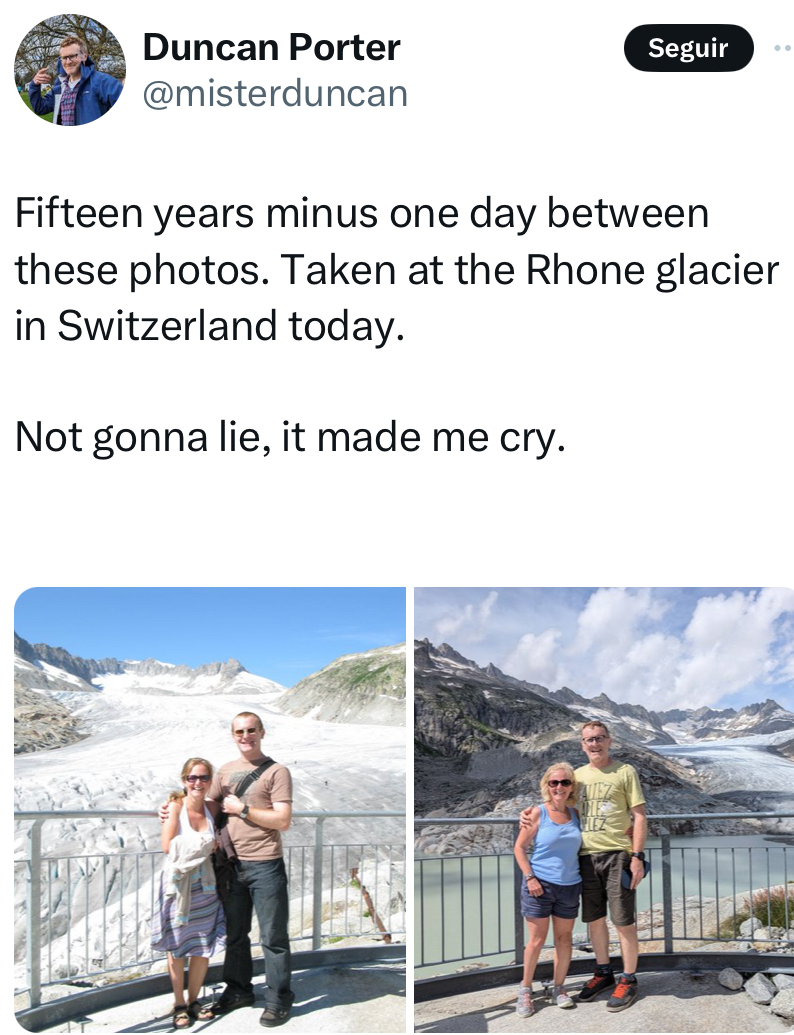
x=665, y=851
x=422, y=821
x=152, y=813
x=36, y=856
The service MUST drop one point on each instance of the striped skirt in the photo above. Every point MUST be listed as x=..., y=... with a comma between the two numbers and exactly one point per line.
x=203, y=935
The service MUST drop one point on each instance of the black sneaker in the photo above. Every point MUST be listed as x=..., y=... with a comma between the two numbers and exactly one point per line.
x=623, y=996
x=227, y=1003
x=272, y=1016
x=596, y=984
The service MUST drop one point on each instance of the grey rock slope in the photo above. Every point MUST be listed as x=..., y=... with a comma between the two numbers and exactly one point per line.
x=41, y=722
x=366, y=688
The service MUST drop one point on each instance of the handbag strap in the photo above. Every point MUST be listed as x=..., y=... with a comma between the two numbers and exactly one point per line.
x=249, y=778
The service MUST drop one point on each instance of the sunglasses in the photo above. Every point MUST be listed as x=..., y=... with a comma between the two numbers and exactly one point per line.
x=203, y=778
x=593, y=740
x=559, y=783
x=250, y=731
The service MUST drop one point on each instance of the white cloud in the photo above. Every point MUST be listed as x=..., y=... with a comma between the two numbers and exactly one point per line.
x=610, y=618
x=468, y=624
x=533, y=658
x=634, y=646
x=729, y=644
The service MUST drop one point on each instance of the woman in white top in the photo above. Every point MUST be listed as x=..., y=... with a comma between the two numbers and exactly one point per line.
x=189, y=921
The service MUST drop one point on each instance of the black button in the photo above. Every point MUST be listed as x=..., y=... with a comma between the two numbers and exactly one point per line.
x=688, y=48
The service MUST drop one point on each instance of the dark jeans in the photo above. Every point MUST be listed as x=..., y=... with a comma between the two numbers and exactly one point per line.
x=261, y=886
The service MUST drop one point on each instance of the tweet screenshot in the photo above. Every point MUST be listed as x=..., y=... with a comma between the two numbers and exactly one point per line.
x=309, y=306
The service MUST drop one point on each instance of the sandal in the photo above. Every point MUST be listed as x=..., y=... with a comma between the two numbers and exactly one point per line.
x=181, y=1016
x=200, y=1011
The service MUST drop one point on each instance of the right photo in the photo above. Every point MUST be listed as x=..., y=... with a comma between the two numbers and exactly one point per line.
x=604, y=809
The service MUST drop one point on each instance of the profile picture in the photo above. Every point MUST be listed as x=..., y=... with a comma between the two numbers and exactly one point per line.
x=69, y=70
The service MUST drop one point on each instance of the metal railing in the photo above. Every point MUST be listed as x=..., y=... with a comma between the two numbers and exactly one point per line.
x=469, y=907
x=89, y=915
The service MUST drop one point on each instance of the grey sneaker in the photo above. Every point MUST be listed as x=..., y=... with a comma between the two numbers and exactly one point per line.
x=525, y=1007
x=561, y=998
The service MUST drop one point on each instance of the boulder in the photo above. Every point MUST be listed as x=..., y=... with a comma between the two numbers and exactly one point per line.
x=760, y=989
x=783, y=1004
x=783, y=981
x=768, y=934
x=746, y=929
x=730, y=978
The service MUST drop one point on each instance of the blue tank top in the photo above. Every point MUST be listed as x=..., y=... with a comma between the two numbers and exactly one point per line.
x=555, y=857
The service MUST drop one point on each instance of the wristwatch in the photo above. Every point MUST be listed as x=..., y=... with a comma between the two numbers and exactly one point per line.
x=638, y=855
x=245, y=810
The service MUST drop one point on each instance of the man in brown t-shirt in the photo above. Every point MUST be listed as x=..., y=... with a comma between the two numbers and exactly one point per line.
x=260, y=879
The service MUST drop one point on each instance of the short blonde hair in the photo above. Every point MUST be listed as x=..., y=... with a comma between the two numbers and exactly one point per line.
x=248, y=715
x=567, y=768
x=595, y=723
x=71, y=41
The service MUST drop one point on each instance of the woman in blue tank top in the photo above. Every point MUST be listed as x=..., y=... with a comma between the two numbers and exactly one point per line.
x=551, y=886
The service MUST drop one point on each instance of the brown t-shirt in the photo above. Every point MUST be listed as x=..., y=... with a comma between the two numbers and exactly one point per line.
x=275, y=784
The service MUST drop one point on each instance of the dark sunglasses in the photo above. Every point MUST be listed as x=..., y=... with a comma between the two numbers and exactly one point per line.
x=249, y=731
x=559, y=783
x=192, y=778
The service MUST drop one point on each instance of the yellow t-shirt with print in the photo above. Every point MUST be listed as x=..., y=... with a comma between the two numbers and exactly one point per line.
x=605, y=799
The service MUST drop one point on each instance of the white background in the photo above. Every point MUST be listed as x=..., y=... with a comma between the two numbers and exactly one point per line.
x=674, y=410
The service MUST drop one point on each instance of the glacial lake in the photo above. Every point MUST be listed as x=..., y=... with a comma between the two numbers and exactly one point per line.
x=466, y=907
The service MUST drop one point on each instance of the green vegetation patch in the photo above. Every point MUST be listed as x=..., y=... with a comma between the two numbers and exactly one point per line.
x=26, y=99
x=769, y=907
x=362, y=674
x=488, y=730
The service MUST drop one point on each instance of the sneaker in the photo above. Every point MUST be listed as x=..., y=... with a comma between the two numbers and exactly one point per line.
x=525, y=1007
x=561, y=998
x=623, y=996
x=272, y=1016
x=596, y=984
x=227, y=1003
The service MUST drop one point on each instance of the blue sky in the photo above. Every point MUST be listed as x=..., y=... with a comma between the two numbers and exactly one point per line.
x=664, y=648
x=283, y=634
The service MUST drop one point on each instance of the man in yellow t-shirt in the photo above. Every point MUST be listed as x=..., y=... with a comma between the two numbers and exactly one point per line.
x=614, y=828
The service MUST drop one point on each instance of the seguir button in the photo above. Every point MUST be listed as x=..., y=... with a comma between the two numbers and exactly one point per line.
x=688, y=48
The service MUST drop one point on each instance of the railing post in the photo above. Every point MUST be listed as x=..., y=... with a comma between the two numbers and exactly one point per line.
x=317, y=880
x=667, y=890
x=33, y=920
x=518, y=918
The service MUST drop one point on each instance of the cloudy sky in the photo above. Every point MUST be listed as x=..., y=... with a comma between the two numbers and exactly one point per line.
x=664, y=648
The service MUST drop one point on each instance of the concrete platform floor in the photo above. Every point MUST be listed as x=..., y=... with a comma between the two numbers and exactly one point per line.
x=667, y=1003
x=327, y=999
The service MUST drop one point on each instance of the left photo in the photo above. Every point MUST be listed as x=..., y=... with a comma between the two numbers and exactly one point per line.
x=209, y=795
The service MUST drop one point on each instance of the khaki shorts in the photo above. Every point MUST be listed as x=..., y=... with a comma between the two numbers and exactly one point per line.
x=601, y=885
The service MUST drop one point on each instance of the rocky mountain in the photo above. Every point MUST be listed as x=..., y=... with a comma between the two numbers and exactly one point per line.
x=48, y=683
x=159, y=677
x=42, y=667
x=460, y=708
x=483, y=740
x=42, y=655
x=726, y=723
x=471, y=706
x=367, y=688
x=643, y=725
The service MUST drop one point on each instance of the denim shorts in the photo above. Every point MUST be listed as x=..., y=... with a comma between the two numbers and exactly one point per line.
x=560, y=900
